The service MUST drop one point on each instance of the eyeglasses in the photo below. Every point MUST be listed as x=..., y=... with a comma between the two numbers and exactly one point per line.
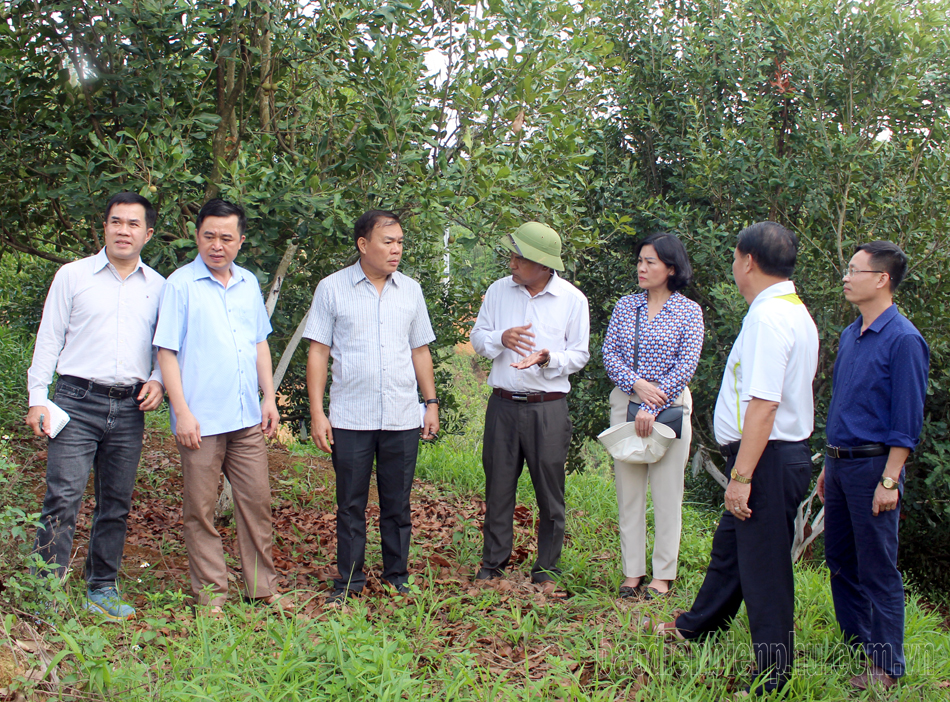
x=851, y=272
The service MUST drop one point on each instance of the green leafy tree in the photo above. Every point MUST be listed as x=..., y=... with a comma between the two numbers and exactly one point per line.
x=829, y=117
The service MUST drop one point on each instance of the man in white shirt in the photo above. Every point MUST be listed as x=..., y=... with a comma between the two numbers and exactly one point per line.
x=96, y=332
x=763, y=419
x=373, y=321
x=535, y=326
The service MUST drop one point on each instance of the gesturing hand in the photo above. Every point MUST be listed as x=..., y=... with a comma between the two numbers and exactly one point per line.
x=537, y=358
x=519, y=339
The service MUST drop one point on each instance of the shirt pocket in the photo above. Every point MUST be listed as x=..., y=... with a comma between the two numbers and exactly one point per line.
x=550, y=335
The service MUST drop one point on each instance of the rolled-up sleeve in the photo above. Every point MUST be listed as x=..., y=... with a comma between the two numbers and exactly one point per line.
x=909, y=363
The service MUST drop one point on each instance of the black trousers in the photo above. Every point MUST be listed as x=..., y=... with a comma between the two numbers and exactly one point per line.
x=751, y=560
x=516, y=433
x=395, y=455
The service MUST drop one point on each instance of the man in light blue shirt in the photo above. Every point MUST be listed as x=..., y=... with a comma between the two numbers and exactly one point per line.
x=373, y=321
x=212, y=349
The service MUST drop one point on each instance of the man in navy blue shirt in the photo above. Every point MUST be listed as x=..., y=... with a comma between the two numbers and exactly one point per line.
x=874, y=421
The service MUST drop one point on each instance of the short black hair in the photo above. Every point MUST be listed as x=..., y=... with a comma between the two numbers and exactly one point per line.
x=221, y=208
x=364, y=226
x=671, y=251
x=773, y=248
x=888, y=257
x=133, y=199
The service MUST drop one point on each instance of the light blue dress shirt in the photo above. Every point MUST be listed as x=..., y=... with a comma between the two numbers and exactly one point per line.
x=215, y=331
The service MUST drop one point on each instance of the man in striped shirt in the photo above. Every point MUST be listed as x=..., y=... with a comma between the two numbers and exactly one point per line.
x=374, y=323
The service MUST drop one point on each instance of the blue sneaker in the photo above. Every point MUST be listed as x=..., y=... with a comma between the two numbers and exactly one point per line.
x=106, y=601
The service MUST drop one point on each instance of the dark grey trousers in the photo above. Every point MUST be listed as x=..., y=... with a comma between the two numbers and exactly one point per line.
x=517, y=433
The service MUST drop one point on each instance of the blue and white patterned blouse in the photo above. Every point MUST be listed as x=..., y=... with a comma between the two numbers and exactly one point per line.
x=670, y=345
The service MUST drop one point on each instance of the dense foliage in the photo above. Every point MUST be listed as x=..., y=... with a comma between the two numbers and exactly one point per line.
x=606, y=121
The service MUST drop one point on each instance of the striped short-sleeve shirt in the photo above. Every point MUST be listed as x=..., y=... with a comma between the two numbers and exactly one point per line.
x=371, y=337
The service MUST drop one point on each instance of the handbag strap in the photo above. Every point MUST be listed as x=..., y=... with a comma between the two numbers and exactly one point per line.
x=636, y=346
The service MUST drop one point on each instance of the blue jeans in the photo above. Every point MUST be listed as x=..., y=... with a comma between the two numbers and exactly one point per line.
x=106, y=434
x=861, y=552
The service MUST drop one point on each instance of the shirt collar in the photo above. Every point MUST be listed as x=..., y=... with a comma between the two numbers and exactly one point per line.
x=550, y=287
x=786, y=287
x=878, y=324
x=101, y=260
x=357, y=275
x=202, y=270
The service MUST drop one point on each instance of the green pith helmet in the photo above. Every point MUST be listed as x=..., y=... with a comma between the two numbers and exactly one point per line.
x=536, y=242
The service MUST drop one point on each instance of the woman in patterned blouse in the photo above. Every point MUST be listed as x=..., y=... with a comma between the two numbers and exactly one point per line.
x=671, y=338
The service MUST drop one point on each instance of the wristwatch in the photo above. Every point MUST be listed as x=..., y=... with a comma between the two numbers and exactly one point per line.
x=433, y=401
x=738, y=478
x=545, y=364
x=889, y=484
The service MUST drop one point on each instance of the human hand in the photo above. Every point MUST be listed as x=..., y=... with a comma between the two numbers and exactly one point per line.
x=320, y=431
x=644, y=421
x=187, y=430
x=537, y=358
x=737, y=499
x=151, y=396
x=820, y=486
x=270, y=418
x=884, y=500
x=430, y=422
x=649, y=394
x=518, y=339
x=33, y=420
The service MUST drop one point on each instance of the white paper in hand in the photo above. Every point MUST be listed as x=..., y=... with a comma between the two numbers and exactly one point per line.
x=57, y=419
x=422, y=415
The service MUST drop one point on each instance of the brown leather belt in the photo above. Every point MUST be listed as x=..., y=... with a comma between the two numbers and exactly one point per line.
x=529, y=396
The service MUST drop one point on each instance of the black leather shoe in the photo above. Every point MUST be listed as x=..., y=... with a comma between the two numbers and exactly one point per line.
x=340, y=595
x=489, y=573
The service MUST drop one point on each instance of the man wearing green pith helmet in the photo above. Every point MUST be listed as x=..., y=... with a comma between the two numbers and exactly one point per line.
x=535, y=327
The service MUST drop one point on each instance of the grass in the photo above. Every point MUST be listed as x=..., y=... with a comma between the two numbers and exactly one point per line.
x=447, y=640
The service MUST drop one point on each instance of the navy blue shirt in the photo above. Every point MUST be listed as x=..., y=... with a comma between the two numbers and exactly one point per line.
x=879, y=383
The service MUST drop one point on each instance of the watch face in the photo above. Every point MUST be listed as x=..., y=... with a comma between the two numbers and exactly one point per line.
x=889, y=483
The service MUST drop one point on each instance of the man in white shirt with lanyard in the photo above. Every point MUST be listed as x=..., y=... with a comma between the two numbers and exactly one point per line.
x=373, y=321
x=764, y=417
x=535, y=326
x=96, y=333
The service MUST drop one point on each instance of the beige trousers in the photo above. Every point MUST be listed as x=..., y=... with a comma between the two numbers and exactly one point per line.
x=242, y=456
x=666, y=487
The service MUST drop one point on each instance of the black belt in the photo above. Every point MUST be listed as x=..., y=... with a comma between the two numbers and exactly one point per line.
x=730, y=450
x=865, y=451
x=115, y=392
x=529, y=396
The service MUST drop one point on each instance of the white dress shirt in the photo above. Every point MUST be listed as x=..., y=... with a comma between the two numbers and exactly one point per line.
x=371, y=336
x=97, y=326
x=774, y=358
x=560, y=320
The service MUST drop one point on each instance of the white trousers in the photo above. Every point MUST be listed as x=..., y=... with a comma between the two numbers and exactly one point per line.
x=666, y=487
